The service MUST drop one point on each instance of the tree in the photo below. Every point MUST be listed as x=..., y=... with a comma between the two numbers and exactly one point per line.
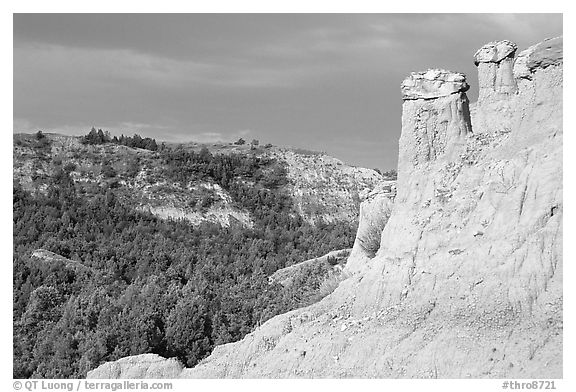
x=41, y=140
x=43, y=306
x=107, y=170
x=101, y=138
x=188, y=329
x=205, y=154
x=150, y=144
x=91, y=138
x=133, y=167
x=69, y=167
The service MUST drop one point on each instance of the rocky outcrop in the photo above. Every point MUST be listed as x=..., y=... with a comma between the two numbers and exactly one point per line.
x=50, y=258
x=138, y=366
x=432, y=84
x=375, y=210
x=497, y=86
x=505, y=79
x=540, y=56
x=285, y=276
x=467, y=280
x=437, y=125
x=495, y=62
x=324, y=189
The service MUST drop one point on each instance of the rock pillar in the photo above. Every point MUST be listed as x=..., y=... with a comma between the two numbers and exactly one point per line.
x=435, y=118
x=495, y=62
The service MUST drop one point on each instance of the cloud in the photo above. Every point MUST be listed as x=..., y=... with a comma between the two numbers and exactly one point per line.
x=112, y=66
x=22, y=125
x=210, y=137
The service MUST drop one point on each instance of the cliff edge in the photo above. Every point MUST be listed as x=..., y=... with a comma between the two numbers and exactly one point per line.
x=466, y=280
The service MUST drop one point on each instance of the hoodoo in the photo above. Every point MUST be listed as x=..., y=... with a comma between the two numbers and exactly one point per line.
x=495, y=62
x=435, y=116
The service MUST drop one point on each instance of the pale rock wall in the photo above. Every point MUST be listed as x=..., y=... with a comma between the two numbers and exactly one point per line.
x=375, y=210
x=495, y=61
x=497, y=85
x=433, y=126
x=325, y=188
x=285, y=276
x=138, y=366
x=434, y=83
x=540, y=56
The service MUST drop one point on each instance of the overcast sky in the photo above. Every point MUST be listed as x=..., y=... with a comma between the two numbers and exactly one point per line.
x=328, y=82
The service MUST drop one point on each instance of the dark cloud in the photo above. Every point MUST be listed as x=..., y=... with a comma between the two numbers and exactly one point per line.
x=323, y=81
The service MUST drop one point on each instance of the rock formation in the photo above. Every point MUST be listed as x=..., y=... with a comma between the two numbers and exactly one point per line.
x=540, y=56
x=50, y=258
x=495, y=62
x=375, y=210
x=467, y=280
x=497, y=85
x=435, y=116
x=139, y=366
x=432, y=84
x=285, y=276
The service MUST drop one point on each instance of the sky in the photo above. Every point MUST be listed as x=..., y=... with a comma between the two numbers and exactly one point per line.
x=326, y=82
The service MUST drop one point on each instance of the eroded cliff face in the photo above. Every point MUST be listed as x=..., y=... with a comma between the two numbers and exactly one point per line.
x=375, y=211
x=467, y=280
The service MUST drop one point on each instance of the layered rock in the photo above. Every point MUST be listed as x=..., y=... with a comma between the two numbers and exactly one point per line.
x=50, y=258
x=495, y=62
x=375, y=210
x=285, y=276
x=467, y=281
x=497, y=86
x=504, y=81
x=540, y=56
x=432, y=84
x=138, y=366
x=435, y=116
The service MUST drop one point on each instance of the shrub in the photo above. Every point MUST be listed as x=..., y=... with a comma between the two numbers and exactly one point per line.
x=108, y=171
x=330, y=284
x=391, y=174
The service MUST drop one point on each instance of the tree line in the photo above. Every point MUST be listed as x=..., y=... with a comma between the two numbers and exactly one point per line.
x=136, y=141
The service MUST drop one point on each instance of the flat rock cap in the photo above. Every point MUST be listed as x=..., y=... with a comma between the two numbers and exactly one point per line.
x=434, y=83
x=494, y=52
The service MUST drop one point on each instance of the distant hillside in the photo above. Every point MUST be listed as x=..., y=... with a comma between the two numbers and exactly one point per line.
x=322, y=188
x=167, y=249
